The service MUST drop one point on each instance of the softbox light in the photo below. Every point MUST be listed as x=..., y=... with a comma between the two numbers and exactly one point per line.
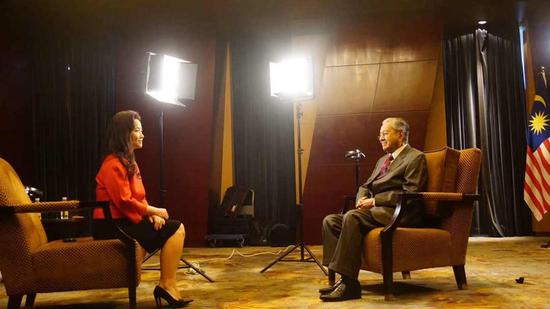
x=170, y=79
x=292, y=78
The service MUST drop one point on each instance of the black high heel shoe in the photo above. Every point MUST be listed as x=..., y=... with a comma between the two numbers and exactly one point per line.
x=161, y=293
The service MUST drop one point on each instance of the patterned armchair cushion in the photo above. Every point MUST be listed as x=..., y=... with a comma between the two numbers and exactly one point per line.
x=442, y=169
x=412, y=249
x=80, y=265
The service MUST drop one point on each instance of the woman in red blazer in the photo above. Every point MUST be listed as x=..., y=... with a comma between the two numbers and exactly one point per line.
x=119, y=182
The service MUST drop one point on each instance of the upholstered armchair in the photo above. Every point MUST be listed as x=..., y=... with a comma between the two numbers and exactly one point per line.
x=448, y=203
x=30, y=264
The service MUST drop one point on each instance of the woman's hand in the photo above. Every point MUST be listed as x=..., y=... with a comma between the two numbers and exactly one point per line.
x=158, y=222
x=155, y=211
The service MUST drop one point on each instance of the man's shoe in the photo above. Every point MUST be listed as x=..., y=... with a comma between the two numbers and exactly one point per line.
x=344, y=291
x=330, y=288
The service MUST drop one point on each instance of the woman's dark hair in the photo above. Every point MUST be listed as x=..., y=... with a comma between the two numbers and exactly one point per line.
x=120, y=128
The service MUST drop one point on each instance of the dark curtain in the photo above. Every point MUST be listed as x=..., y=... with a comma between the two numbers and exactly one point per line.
x=485, y=108
x=73, y=84
x=263, y=131
x=503, y=132
x=461, y=92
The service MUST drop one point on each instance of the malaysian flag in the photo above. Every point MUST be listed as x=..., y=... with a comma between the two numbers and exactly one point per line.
x=536, y=190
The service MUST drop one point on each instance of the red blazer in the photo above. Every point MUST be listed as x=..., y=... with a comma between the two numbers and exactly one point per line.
x=126, y=196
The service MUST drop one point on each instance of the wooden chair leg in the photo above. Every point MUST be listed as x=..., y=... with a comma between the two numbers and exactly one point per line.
x=388, y=284
x=14, y=301
x=387, y=264
x=132, y=297
x=460, y=277
x=406, y=275
x=29, y=301
x=331, y=277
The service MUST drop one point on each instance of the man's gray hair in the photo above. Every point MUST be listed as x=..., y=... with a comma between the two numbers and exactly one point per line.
x=399, y=124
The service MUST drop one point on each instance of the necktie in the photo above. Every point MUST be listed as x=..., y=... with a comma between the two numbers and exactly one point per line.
x=386, y=165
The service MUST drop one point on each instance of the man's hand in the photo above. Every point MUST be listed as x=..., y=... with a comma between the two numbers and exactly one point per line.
x=365, y=203
x=158, y=222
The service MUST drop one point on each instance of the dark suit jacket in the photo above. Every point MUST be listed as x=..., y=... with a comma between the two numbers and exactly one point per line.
x=407, y=173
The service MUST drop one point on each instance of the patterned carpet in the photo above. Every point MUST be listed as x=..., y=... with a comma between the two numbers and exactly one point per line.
x=492, y=268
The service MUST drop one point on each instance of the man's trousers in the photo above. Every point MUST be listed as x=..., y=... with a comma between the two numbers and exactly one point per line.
x=343, y=239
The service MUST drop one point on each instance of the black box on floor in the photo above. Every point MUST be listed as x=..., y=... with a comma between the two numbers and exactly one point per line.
x=233, y=216
x=231, y=225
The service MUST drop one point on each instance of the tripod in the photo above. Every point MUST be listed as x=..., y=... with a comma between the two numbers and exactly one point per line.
x=187, y=265
x=300, y=243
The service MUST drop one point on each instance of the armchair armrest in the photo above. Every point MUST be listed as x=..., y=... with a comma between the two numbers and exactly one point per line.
x=51, y=206
x=73, y=205
x=400, y=208
x=439, y=196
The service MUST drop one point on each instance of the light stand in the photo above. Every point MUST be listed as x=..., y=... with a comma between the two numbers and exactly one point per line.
x=300, y=243
x=162, y=190
x=164, y=95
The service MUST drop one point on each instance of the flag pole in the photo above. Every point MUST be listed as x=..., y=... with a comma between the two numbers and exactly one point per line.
x=543, y=73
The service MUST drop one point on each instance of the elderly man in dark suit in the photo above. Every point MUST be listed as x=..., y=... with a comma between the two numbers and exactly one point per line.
x=402, y=169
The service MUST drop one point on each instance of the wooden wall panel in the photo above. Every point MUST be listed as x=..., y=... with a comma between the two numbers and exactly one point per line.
x=436, y=131
x=359, y=43
x=405, y=86
x=342, y=133
x=348, y=89
x=413, y=38
x=386, y=38
x=332, y=183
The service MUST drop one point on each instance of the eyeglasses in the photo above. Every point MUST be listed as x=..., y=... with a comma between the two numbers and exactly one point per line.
x=384, y=134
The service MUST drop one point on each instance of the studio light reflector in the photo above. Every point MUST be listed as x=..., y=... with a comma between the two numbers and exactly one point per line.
x=292, y=78
x=170, y=79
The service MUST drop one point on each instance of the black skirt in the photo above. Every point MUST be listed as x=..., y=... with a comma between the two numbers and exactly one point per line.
x=143, y=232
